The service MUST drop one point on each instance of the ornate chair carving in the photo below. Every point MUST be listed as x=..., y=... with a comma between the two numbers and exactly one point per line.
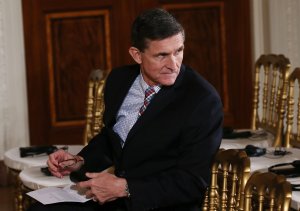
x=270, y=94
x=32, y=178
x=267, y=191
x=230, y=172
x=292, y=135
x=95, y=105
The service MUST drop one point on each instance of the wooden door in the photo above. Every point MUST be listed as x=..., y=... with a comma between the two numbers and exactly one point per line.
x=66, y=39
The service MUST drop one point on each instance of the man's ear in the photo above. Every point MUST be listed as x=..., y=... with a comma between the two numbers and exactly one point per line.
x=135, y=54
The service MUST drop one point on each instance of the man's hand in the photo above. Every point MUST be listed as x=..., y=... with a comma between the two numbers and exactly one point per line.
x=104, y=187
x=55, y=163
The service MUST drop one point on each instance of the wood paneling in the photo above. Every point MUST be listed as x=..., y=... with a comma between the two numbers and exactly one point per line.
x=66, y=39
x=86, y=34
x=214, y=30
x=205, y=41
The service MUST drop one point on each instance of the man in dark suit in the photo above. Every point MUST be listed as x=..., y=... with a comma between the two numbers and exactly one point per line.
x=161, y=150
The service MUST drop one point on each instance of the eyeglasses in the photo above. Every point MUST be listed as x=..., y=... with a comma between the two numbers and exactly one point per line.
x=70, y=162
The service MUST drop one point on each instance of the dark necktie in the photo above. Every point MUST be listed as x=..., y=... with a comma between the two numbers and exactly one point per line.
x=149, y=94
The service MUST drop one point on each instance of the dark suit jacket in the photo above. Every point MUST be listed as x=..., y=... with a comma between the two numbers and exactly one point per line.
x=167, y=154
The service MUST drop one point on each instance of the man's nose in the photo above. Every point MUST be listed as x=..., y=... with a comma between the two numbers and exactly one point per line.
x=172, y=62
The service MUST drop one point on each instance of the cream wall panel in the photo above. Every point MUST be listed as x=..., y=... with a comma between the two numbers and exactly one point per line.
x=13, y=98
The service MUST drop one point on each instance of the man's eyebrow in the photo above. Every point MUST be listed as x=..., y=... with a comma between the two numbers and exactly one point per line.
x=162, y=54
x=165, y=53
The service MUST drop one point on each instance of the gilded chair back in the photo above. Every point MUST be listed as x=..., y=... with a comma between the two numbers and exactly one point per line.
x=95, y=105
x=230, y=172
x=267, y=191
x=270, y=93
x=292, y=135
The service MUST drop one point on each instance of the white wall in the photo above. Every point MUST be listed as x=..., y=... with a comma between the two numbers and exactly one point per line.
x=13, y=98
x=276, y=28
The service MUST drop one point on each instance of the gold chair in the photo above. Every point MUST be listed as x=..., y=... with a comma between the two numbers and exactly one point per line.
x=267, y=191
x=32, y=178
x=95, y=105
x=270, y=94
x=230, y=172
x=292, y=134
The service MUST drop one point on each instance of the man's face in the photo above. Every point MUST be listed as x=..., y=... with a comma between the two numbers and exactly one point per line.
x=161, y=60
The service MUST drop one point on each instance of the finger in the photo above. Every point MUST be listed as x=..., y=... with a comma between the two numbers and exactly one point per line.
x=56, y=174
x=54, y=158
x=51, y=166
x=95, y=199
x=92, y=175
x=53, y=161
x=111, y=199
x=89, y=194
x=65, y=172
x=54, y=170
x=62, y=165
x=84, y=184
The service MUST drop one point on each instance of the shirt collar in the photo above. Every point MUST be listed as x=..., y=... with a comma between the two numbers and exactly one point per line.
x=144, y=85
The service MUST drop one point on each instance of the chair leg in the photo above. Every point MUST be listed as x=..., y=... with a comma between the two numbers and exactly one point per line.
x=27, y=200
x=18, y=195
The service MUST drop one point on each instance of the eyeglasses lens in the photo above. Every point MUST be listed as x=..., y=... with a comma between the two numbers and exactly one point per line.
x=67, y=163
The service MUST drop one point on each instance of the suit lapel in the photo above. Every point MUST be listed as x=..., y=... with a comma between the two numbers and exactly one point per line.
x=118, y=96
x=121, y=85
x=160, y=101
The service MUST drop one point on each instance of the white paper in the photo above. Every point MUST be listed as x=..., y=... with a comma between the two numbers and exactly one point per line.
x=51, y=195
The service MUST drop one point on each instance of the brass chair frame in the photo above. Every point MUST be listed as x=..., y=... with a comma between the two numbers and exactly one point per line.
x=94, y=123
x=95, y=105
x=292, y=138
x=269, y=191
x=275, y=75
x=230, y=172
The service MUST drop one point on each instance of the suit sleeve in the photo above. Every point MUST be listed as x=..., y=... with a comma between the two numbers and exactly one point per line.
x=97, y=154
x=187, y=182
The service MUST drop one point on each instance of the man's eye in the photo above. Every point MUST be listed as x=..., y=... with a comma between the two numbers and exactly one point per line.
x=178, y=51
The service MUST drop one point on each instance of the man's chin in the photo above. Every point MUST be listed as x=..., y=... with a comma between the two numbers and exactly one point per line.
x=168, y=82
